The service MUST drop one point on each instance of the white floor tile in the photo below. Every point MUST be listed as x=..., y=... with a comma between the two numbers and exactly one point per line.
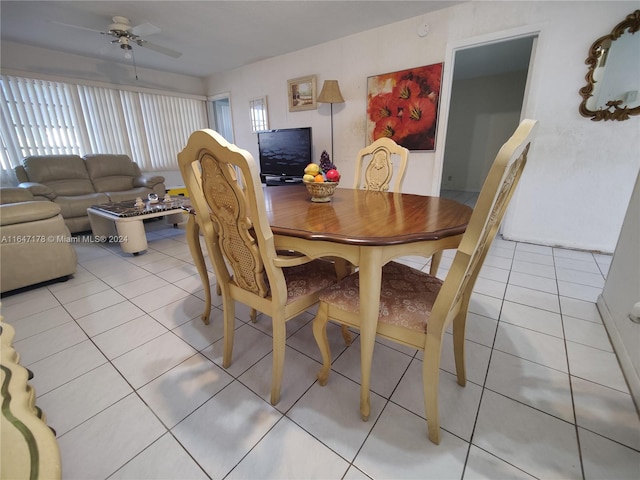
x=199, y=335
x=529, y=268
x=603, y=458
x=534, y=282
x=180, y=311
x=159, y=298
x=218, y=441
x=109, y=318
x=458, y=405
x=126, y=337
x=522, y=436
x=586, y=333
x=398, y=447
x=533, y=346
x=387, y=367
x=482, y=465
x=64, y=366
x=249, y=346
x=288, y=452
x=25, y=304
x=596, y=366
x=83, y=397
x=331, y=413
x=580, y=309
x=93, y=303
x=165, y=459
x=181, y=390
x=476, y=359
x=533, y=298
x=607, y=412
x=532, y=384
x=152, y=359
x=299, y=374
x=542, y=321
x=47, y=343
x=89, y=450
x=40, y=322
x=581, y=292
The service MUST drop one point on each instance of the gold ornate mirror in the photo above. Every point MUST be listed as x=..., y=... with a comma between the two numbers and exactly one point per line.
x=613, y=80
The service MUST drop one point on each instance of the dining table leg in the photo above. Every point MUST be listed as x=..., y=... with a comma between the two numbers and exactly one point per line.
x=370, y=284
x=193, y=240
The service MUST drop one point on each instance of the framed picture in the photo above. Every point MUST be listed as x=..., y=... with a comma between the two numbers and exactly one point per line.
x=404, y=106
x=302, y=93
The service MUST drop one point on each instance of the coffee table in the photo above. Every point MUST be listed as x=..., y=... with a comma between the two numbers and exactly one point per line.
x=122, y=222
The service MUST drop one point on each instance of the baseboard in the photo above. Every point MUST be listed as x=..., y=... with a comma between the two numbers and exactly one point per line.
x=633, y=380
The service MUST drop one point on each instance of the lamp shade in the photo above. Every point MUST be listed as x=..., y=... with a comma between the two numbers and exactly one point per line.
x=330, y=92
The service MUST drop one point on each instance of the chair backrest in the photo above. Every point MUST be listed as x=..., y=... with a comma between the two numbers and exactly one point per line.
x=380, y=170
x=230, y=211
x=492, y=203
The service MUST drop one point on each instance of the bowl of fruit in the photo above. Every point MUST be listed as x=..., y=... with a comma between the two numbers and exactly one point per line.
x=321, y=180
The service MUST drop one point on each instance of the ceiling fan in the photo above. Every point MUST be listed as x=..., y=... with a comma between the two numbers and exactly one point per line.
x=127, y=36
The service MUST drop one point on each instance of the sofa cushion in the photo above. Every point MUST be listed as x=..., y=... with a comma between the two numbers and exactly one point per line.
x=24, y=212
x=14, y=195
x=64, y=174
x=111, y=172
x=76, y=206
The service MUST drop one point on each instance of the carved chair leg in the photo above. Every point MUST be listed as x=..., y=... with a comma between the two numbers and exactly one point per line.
x=320, y=334
x=228, y=307
x=279, y=339
x=253, y=315
x=430, y=382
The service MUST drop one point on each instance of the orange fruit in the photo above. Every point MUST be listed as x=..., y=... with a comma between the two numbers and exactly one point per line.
x=318, y=178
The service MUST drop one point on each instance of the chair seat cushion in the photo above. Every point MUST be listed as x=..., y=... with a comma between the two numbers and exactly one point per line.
x=308, y=278
x=407, y=296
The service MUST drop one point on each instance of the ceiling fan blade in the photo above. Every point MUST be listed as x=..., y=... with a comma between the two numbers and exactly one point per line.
x=158, y=48
x=77, y=27
x=145, y=29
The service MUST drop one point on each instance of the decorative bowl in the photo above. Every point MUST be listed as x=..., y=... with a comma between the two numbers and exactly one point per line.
x=321, y=191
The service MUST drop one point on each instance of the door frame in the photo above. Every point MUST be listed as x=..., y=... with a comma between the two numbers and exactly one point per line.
x=528, y=106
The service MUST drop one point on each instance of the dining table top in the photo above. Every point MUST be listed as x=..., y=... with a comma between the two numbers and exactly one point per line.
x=365, y=218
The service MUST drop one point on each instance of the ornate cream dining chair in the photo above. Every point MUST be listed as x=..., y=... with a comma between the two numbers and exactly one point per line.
x=379, y=172
x=224, y=187
x=415, y=307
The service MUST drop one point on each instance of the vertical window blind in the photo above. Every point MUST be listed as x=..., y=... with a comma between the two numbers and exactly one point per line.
x=43, y=118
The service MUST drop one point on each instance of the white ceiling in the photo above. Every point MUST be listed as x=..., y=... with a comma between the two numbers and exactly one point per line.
x=213, y=36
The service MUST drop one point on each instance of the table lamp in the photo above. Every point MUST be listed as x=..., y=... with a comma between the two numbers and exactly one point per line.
x=330, y=94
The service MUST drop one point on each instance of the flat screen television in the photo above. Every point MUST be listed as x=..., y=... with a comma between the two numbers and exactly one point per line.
x=283, y=154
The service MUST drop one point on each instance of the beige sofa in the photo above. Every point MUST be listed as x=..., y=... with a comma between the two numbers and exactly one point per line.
x=75, y=183
x=35, y=244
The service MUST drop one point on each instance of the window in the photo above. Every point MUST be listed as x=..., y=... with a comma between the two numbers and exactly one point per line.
x=44, y=118
x=259, y=120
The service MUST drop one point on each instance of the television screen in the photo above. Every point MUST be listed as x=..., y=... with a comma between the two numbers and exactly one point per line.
x=284, y=153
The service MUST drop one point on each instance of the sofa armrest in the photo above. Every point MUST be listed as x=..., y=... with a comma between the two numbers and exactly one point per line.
x=39, y=190
x=15, y=195
x=147, y=181
x=25, y=212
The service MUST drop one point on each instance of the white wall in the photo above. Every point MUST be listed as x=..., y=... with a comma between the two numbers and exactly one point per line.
x=580, y=173
x=18, y=58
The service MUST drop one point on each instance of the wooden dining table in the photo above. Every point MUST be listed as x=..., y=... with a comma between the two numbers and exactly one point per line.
x=365, y=228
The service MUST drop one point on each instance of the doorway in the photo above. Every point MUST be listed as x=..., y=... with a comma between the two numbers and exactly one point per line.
x=488, y=87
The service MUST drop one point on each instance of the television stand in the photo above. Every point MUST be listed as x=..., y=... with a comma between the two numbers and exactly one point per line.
x=271, y=180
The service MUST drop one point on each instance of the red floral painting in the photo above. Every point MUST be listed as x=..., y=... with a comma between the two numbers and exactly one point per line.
x=404, y=105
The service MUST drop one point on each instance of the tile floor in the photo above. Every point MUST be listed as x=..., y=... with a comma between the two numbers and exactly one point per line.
x=131, y=380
